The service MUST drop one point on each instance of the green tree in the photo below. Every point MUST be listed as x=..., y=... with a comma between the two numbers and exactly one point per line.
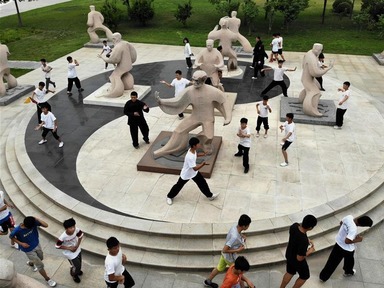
x=374, y=8
x=380, y=26
x=225, y=6
x=270, y=7
x=183, y=12
x=112, y=14
x=362, y=20
x=291, y=9
x=250, y=11
x=141, y=11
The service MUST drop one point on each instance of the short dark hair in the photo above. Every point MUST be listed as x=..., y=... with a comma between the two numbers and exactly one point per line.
x=364, y=221
x=134, y=93
x=112, y=242
x=43, y=60
x=29, y=222
x=242, y=264
x=41, y=83
x=265, y=97
x=309, y=221
x=69, y=58
x=219, y=48
x=244, y=220
x=105, y=41
x=193, y=141
x=289, y=115
x=244, y=120
x=280, y=61
x=69, y=223
x=321, y=55
x=186, y=39
x=178, y=72
x=347, y=83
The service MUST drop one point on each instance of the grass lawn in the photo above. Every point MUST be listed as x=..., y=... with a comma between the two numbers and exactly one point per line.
x=55, y=31
x=19, y=72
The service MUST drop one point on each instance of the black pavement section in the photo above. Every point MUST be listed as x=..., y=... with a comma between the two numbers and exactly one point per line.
x=77, y=122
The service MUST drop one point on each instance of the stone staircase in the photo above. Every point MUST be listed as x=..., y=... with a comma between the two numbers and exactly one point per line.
x=162, y=245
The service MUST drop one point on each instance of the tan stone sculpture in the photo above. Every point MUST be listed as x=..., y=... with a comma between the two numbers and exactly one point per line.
x=5, y=72
x=210, y=61
x=123, y=55
x=95, y=23
x=10, y=279
x=310, y=95
x=203, y=98
x=234, y=25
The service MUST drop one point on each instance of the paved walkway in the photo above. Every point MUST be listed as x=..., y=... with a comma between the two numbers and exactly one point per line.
x=368, y=92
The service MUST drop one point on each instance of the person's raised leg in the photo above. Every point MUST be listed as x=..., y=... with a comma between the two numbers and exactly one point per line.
x=202, y=184
x=284, y=88
x=176, y=188
x=269, y=87
x=298, y=283
x=333, y=261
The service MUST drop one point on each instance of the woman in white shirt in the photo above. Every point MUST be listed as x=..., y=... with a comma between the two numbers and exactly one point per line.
x=187, y=52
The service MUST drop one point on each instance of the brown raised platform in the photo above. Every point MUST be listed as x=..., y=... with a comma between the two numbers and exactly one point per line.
x=172, y=164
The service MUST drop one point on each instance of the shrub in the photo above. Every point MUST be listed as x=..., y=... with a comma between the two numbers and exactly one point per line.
x=183, y=12
x=343, y=9
x=337, y=2
x=141, y=11
x=112, y=14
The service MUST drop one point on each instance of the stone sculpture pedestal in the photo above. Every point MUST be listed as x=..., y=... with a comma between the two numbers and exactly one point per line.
x=293, y=105
x=379, y=57
x=15, y=93
x=172, y=164
x=97, y=98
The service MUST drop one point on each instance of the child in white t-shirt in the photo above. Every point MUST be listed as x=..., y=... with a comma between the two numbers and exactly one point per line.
x=115, y=272
x=262, y=109
x=107, y=51
x=70, y=242
x=49, y=124
x=342, y=104
x=244, y=135
x=289, y=128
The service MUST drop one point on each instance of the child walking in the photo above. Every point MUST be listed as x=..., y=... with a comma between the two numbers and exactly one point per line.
x=343, y=104
x=49, y=124
x=235, y=274
x=47, y=70
x=70, y=242
x=244, y=135
x=38, y=97
x=289, y=128
x=262, y=109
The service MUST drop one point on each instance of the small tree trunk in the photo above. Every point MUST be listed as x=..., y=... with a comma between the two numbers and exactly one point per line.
x=323, y=15
x=353, y=4
x=18, y=14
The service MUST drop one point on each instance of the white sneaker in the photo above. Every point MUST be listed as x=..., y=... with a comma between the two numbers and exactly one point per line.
x=42, y=141
x=29, y=263
x=284, y=164
x=265, y=135
x=254, y=78
x=169, y=201
x=257, y=134
x=214, y=196
x=349, y=275
x=16, y=246
x=51, y=283
x=336, y=127
x=61, y=144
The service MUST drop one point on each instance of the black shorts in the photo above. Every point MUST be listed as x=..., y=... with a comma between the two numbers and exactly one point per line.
x=8, y=224
x=299, y=267
x=286, y=145
x=280, y=51
x=275, y=52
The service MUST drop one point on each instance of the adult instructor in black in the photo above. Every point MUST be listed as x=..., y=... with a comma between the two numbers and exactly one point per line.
x=134, y=110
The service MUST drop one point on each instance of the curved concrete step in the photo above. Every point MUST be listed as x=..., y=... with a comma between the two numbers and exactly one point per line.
x=186, y=247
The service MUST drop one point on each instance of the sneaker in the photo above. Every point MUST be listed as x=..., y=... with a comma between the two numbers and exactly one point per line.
x=336, y=127
x=51, y=283
x=265, y=135
x=209, y=283
x=147, y=142
x=61, y=144
x=322, y=89
x=251, y=67
x=80, y=273
x=284, y=164
x=137, y=147
x=69, y=94
x=76, y=279
x=246, y=170
x=180, y=118
x=16, y=246
x=54, y=84
x=169, y=201
x=257, y=134
x=238, y=154
x=43, y=141
x=30, y=263
x=213, y=197
x=254, y=78
x=80, y=90
x=349, y=275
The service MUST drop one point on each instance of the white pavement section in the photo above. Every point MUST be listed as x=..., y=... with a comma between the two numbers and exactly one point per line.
x=9, y=8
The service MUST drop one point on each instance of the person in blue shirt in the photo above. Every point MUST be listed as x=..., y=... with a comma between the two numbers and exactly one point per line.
x=27, y=236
